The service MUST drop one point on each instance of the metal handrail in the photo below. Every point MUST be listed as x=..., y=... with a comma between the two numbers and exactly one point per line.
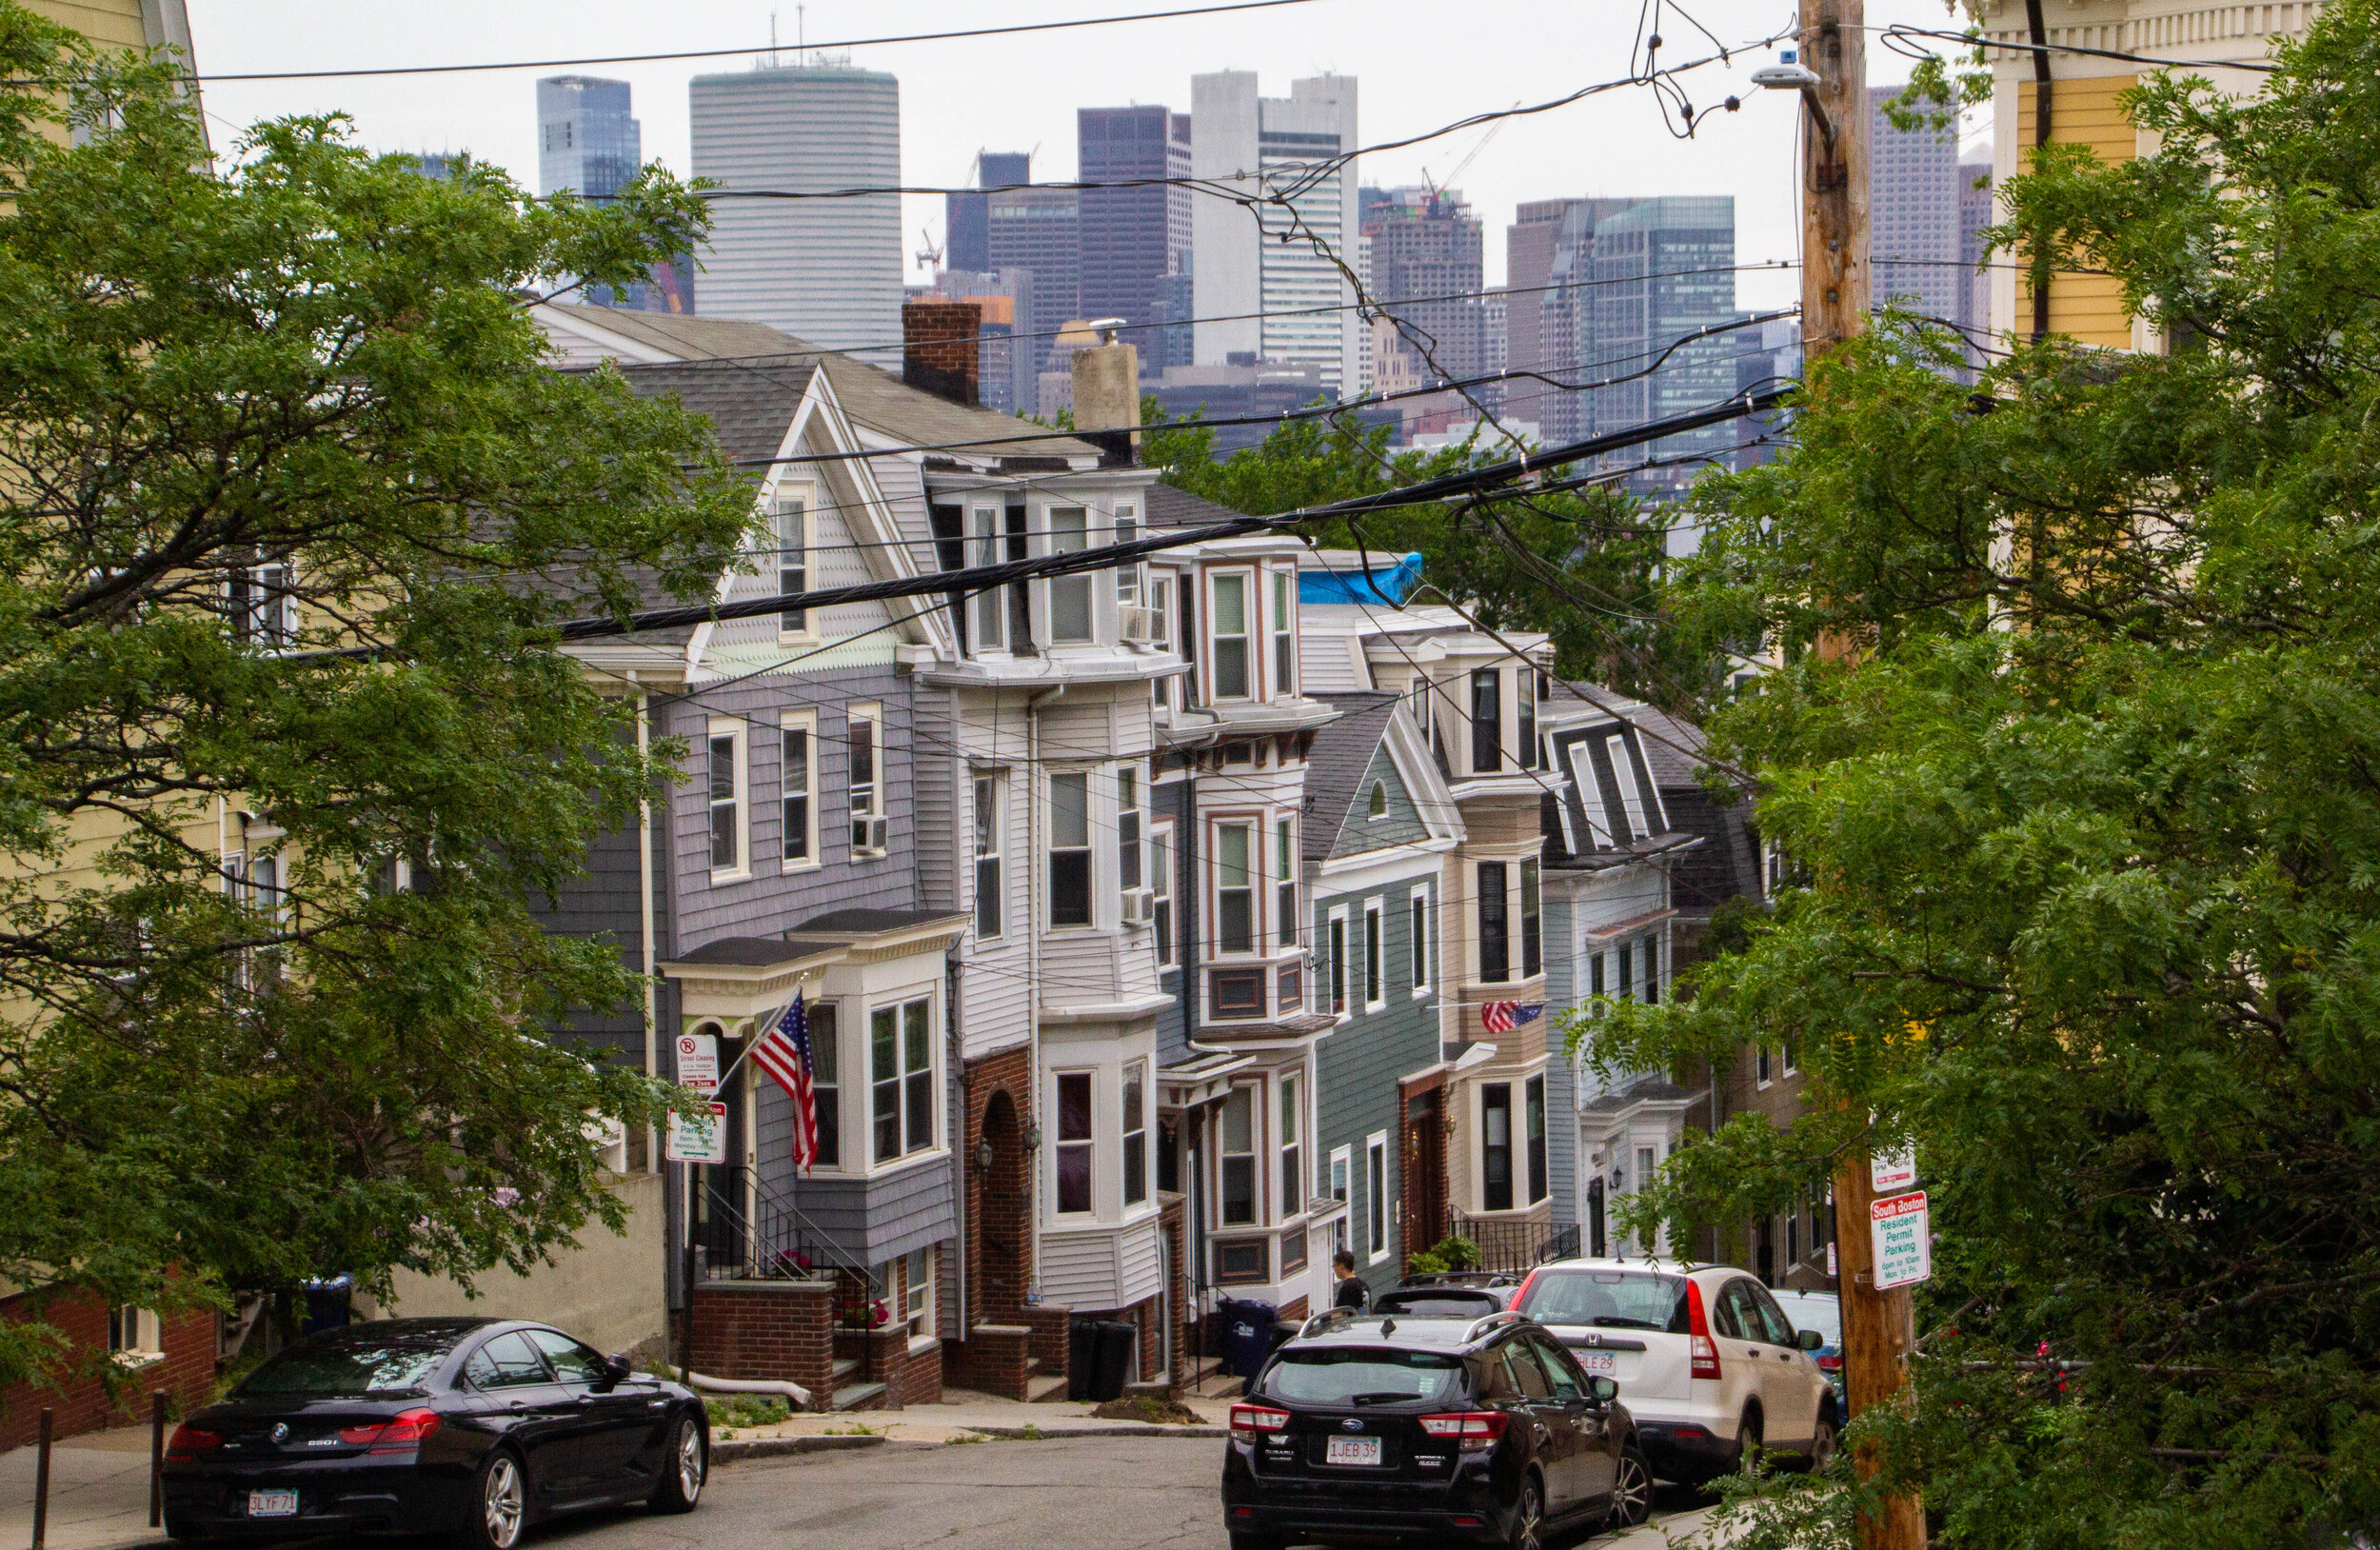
x=783, y=1242
x=1516, y=1247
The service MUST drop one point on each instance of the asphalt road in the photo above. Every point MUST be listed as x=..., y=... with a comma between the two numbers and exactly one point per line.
x=1083, y=1494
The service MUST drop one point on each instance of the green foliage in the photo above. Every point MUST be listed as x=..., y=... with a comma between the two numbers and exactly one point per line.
x=300, y=355
x=2091, y=826
x=1579, y=565
x=743, y=1410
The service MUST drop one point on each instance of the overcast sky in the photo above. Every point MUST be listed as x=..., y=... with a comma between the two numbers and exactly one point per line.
x=1419, y=65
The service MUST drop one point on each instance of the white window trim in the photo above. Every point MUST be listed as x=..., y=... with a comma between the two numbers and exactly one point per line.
x=928, y=1309
x=1785, y=1059
x=1292, y=1084
x=723, y=727
x=1094, y=535
x=1057, y=1077
x=874, y=715
x=998, y=780
x=1341, y=1166
x=807, y=495
x=1419, y=948
x=1375, y=966
x=1338, y=966
x=804, y=721
x=1251, y=619
x=1092, y=806
x=1276, y=578
x=937, y=1064
x=987, y=547
x=1376, y=1200
x=1600, y=834
x=1161, y=862
x=1631, y=794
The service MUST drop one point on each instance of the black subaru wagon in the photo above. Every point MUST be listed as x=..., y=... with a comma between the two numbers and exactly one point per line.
x=1478, y=1430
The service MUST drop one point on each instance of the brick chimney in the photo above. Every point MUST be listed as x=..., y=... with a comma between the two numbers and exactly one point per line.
x=939, y=347
x=1107, y=395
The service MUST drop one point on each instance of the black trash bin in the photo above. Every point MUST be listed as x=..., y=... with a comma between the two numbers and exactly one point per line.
x=1082, y=1337
x=1114, y=1366
x=1248, y=1336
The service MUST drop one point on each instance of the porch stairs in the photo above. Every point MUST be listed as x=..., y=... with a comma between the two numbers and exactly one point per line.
x=852, y=1392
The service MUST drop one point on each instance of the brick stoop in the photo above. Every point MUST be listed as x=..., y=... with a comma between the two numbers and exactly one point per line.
x=995, y=1359
x=780, y=1329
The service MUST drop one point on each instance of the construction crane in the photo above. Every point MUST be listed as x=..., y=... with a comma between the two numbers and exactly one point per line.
x=1437, y=190
x=929, y=257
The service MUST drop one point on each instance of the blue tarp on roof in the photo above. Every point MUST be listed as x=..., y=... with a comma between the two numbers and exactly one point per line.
x=1383, y=583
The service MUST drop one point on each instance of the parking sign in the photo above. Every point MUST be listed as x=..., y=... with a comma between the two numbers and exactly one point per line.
x=1899, y=1234
x=698, y=1137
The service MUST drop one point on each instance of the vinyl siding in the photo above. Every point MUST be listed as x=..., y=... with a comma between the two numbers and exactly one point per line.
x=1359, y=831
x=875, y=1218
x=1170, y=802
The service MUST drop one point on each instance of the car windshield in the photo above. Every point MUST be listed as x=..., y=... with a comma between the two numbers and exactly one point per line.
x=1608, y=1299
x=1348, y=1375
x=1443, y=1304
x=347, y=1367
x=1823, y=1314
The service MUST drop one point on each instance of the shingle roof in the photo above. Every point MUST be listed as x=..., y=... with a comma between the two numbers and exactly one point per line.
x=1171, y=508
x=1342, y=751
x=750, y=403
x=871, y=395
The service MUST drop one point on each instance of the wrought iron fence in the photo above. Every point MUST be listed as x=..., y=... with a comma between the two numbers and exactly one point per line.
x=1516, y=1245
x=768, y=1238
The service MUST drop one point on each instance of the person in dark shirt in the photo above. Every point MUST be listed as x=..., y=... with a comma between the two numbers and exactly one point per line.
x=1352, y=1293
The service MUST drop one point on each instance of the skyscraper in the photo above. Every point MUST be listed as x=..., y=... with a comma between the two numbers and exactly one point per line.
x=1273, y=287
x=1529, y=245
x=1974, y=285
x=966, y=214
x=1132, y=237
x=1426, y=271
x=587, y=142
x=1913, y=214
x=1564, y=303
x=828, y=270
x=1040, y=232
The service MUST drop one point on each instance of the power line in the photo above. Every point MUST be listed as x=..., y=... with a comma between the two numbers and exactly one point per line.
x=772, y=49
x=1976, y=41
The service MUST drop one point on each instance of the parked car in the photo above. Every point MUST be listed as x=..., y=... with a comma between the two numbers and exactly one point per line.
x=1823, y=1312
x=1379, y=1427
x=1493, y=1287
x=472, y=1428
x=1711, y=1367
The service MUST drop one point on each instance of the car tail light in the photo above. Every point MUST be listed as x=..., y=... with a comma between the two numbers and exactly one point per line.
x=1248, y=1419
x=1520, y=1297
x=1477, y=1429
x=1706, y=1356
x=189, y=1442
x=1830, y=1363
x=401, y=1433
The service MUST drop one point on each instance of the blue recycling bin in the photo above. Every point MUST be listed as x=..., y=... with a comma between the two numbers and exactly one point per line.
x=1248, y=1336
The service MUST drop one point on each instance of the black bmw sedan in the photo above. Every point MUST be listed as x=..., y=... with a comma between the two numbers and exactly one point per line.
x=473, y=1427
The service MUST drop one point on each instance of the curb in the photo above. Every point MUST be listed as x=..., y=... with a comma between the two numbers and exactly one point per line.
x=1021, y=1434
x=770, y=1447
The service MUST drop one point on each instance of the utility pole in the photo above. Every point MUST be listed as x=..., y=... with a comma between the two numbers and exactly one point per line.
x=1878, y=1327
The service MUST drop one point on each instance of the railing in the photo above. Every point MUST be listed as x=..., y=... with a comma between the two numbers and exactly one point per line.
x=1516, y=1245
x=777, y=1242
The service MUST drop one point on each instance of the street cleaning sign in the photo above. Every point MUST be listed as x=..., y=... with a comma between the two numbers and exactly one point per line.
x=698, y=1062
x=1889, y=1173
x=700, y=1136
x=1898, y=1233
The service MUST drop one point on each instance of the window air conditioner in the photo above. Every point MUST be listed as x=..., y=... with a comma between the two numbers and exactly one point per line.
x=1140, y=624
x=1140, y=907
x=871, y=835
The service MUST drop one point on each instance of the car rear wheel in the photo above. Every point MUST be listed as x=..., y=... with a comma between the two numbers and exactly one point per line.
x=1528, y=1517
x=1821, y=1446
x=1632, y=1491
x=500, y=1505
x=683, y=1471
x=1241, y=1539
x=1748, y=1444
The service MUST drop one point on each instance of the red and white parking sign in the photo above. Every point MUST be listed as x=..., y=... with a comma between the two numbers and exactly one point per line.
x=1900, y=1234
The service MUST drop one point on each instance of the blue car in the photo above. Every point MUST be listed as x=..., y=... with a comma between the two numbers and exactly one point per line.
x=1822, y=1312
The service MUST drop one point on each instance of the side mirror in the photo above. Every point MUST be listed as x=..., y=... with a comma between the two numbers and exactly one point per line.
x=616, y=1370
x=1809, y=1340
x=1605, y=1390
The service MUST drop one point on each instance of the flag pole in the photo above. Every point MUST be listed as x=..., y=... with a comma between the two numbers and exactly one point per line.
x=758, y=1034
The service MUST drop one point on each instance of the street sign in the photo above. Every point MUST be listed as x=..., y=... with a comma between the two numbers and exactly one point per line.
x=698, y=1062
x=1889, y=1173
x=699, y=1138
x=1899, y=1231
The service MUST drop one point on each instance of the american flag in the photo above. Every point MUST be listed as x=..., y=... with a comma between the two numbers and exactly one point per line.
x=1504, y=1015
x=783, y=1052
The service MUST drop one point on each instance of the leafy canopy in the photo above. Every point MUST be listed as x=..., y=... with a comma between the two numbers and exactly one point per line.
x=258, y=409
x=2092, y=824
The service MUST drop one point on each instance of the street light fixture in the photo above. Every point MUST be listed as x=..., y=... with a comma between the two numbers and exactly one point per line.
x=1790, y=74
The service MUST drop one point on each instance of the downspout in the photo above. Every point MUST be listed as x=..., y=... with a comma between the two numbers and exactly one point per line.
x=1033, y=947
x=645, y=924
x=2042, y=121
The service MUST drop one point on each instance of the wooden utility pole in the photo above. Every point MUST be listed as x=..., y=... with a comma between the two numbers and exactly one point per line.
x=1878, y=1327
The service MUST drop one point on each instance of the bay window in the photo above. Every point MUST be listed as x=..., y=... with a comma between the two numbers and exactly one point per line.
x=1487, y=722
x=1532, y=917
x=1292, y=1151
x=1285, y=902
x=900, y=1078
x=1496, y=964
x=1284, y=634
x=1231, y=637
x=991, y=610
x=1160, y=594
x=1496, y=1146
x=1075, y=1145
x=826, y=1083
x=1235, y=890
x=1525, y=704
x=1238, y=1158
x=1070, y=596
x=1128, y=578
x=1136, y=1132
x=1070, y=849
x=1533, y=1120
x=1162, y=893
x=1127, y=827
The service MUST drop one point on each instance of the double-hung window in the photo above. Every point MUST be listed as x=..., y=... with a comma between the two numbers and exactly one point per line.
x=263, y=605
x=1070, y=596
x=1376, y=1192
x=1231, y=637
x=1651, y=971
x=1136, y=1132
x=1070, y=849
x=797, y=788
x=1160, y=594
x=1238, y=1158
x=826, y=1082
x=1375, y=957
x=725, y=785
x=1341, y=1165
x=1418, y=941
x=1128, y=857
x=1285, y=888
x=901, y=1074
x=1075, y=1144
x=1235, y=888
x=1128, y=577
x=917, y=1293
x=1496, y=1146
x=1338, y=962
x=991, y=609
x=1284, y=634
x=1487, y=720
x=1532, y=917
x=1495, y=961
x=1533, y=1120
x=991, y=827
x=793, y=560
x=863, y=734
x=1162, y=893
x=1292, y=1150
x=1525, y=704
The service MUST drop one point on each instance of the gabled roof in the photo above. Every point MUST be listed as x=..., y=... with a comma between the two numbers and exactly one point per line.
x=751, y=404
x=1336, y=762
x=1171, y=508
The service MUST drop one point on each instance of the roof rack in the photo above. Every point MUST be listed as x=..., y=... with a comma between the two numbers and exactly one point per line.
x=1499, y=1317
x=1318, y=1323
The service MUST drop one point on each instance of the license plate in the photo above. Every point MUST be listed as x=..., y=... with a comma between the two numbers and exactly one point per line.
x=1352, y=1450
x=272, y=1503
x=1599, y=1361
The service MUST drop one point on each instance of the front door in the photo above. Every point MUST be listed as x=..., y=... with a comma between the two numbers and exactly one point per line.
x=721, y=1210
x=1594, y=1217
x=1424, y=1170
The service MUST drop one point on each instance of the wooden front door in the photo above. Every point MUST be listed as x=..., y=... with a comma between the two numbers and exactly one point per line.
x=1424, y=1159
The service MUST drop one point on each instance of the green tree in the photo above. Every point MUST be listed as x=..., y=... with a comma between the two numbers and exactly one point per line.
x=2090, y=820
x=259, y=410
x=1580, y=565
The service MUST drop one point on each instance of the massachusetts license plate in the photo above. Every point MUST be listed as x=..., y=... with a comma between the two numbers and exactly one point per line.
x=1352, y=1450
x=272, y=1503
x=1599, y=1361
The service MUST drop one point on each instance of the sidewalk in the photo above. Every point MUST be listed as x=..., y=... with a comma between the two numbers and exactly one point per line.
x=98, y=1492
x=967, y=1417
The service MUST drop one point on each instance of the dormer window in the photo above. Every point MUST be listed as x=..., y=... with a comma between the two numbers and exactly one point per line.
x=1231, y=637
x=793, y=562
x=1630, y=795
